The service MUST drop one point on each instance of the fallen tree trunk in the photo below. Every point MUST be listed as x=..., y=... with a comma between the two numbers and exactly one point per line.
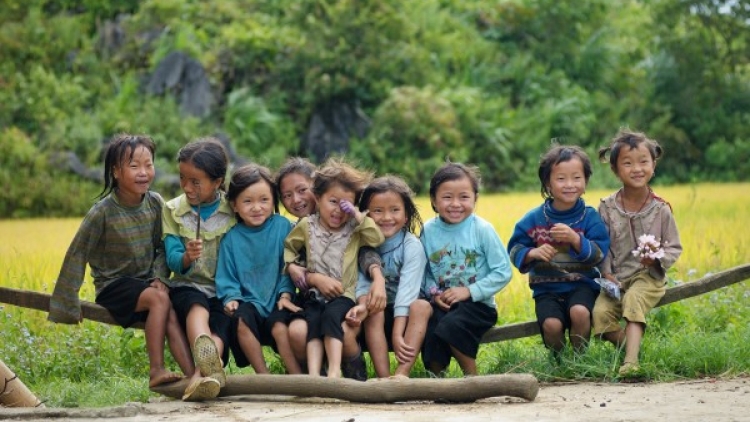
x=389, y=390
x=14, y=393
x=94, y=312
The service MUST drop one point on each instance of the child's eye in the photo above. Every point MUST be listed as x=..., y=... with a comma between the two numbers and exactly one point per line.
x=302, y=190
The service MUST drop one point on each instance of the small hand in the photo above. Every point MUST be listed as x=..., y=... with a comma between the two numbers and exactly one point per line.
x=158, y=285
x=376, y=297
x=356, y=315
x=403, y=352
x=285, y=303
x=455, y=295
x=231, y=307
x=298, y=274
x=193, y=249
x=347, y=207
x=543, y=253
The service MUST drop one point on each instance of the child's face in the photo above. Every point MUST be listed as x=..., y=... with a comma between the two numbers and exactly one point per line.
x=331, y=215
x=567, y=182
x=197, y=185
x=134, y=176
x=455, y=200
x=296, y=195
x=388, y=211
x=635, y=167
x=254, y=205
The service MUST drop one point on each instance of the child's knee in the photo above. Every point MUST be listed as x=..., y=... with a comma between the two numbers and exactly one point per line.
x=579, y=314
x=552, y=326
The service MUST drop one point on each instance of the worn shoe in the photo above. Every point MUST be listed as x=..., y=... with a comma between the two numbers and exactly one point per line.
x=629, y=369
x=207, y=359
x=355, y=368
x=201, y=389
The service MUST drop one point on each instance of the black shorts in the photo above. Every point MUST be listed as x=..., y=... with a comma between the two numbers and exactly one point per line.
x=120, y=298
x=324, y=319
x=462, y=327
x=220, y=324
x=258, y=325
x=557, y=305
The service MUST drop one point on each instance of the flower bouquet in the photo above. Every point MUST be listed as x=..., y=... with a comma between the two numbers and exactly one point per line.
x=648, y=247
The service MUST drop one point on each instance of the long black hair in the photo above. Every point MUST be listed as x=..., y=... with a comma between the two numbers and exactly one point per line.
x=121, y=149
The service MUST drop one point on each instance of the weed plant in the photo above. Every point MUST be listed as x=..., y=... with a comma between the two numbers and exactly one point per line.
x=94, y=364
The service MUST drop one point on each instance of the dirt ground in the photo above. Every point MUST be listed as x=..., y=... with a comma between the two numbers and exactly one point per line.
x=694, y=400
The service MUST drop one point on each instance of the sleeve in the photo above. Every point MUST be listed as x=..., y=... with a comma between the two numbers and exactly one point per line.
x=65, y=305
x=520, y=244
x=670, y=240
x=161, y=270
x=227, y=280
x=174, y=249
x=294, y=243
x=369, y=233
x=411, y=276
x=606, y=265
x=498, y=263
x=367, y=257
x=429, y=281
x=594, y=241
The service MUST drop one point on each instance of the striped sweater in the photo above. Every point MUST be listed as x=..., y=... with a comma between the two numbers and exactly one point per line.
x=115, y=241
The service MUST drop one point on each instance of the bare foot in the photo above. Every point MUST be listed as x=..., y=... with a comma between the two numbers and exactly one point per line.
x=162, y=376
x=398, y=377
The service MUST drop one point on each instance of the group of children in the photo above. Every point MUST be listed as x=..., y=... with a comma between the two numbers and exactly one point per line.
x=358, y=269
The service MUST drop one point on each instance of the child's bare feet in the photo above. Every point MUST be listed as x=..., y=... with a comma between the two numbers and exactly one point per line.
x=162, y=376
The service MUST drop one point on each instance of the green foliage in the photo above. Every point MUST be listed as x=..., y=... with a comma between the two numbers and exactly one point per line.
x=412, y=125
x=506, y=77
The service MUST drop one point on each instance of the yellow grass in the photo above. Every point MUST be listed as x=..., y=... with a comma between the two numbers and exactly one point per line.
x=712, y=219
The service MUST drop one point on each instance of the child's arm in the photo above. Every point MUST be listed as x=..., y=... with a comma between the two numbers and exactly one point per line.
x=498, y=263
x=670, y=242
x=227, y=278
x=592, y=244
x=411, y=276
x=522, y=248
x=605, y=267
x=370, y=265
x=65, y=305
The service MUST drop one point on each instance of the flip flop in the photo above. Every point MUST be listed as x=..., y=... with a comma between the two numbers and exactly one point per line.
x=201, y=389
x=207, y=359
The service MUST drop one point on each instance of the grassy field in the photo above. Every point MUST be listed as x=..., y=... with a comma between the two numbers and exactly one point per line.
x=95, y=365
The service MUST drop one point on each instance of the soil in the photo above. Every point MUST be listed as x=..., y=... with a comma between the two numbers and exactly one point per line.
x=694, y=400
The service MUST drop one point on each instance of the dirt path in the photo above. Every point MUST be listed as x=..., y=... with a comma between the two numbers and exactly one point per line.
x=694, y=400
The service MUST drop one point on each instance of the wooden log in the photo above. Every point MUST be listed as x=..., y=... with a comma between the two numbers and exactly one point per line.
x=94, y=312
x=389, y=390
x=698, y=287
x=14, y=393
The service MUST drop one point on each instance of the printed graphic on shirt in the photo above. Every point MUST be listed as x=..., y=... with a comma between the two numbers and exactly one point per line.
x=454, y=267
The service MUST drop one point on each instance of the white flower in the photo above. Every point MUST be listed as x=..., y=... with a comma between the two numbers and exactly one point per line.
x=648, y=247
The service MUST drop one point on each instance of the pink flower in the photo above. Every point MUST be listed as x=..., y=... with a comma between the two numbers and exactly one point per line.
x=648, y=247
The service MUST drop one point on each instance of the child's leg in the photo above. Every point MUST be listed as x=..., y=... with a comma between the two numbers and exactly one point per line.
x=298, y=340
x=553, y=334
x=334, y=349
x=633, y=337
x=580, y=327
x=377, y=344
x=416, y=327
x=280, y=333
x=178, y=344
x=467, y=363
x=157, y=303
x=251, y=347
x=315, y=353
x=462, y=328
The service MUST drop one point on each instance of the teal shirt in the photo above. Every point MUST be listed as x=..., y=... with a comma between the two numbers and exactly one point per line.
x=251, y=261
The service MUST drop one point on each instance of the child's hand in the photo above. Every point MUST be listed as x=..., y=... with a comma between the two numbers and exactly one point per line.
x=193, y=250
x=403, y=352
x=543, y=253
x=353, y=211
x=647, y=262
x=455, y=295
x=285, y=302
x=231, y=306
x=611, y=277
x=356, y=315
x=298, y=274
x=158, y=285
x=329, y=287
x=562, y=233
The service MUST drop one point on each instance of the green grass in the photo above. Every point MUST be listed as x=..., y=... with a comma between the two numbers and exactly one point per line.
x=95, y=365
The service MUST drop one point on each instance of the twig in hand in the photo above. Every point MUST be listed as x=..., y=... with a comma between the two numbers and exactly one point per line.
x=198, y=226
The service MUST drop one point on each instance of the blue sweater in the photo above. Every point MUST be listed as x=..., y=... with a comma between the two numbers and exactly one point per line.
x=568, y=267
x=250, y=264
x=468, y=254
x=402, y=263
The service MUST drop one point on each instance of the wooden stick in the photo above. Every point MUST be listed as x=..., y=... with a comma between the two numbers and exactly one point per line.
x=709, y=283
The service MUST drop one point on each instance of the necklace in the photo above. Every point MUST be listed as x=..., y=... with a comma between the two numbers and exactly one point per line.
x=397, y=245
x=549, y=221
x=649, y=195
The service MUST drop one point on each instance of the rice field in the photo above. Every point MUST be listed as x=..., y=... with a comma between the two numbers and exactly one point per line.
x=100, y=365
x=711, y=219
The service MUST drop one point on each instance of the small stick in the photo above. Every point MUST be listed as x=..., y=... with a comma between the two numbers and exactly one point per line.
x=198, y=227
